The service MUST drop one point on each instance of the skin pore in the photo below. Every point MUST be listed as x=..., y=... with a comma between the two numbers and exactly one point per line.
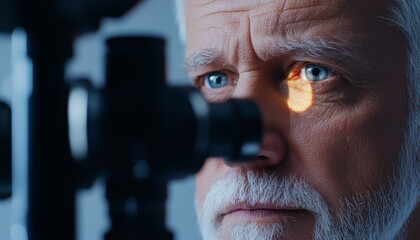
x=341, y=133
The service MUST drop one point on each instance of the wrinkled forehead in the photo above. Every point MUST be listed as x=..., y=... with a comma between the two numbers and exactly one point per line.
x=287, y=7
x=260, y=20
x=280, y=15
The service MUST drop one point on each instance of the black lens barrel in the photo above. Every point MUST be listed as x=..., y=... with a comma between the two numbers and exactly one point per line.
x=5, y=151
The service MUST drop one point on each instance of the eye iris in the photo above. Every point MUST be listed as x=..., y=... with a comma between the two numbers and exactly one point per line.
x=216, y=80
x=316, y=73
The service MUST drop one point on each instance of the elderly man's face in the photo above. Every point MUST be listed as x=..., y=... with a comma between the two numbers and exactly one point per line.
x=329, y=79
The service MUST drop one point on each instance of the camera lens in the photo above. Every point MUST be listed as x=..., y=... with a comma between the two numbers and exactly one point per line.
x=5, y=151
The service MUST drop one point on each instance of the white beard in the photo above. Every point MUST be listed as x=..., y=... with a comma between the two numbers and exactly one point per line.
x=375, y=215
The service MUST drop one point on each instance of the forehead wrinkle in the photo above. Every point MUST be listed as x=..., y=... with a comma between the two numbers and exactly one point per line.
x=226, y=5
x=293, y=18
x=216, y=7
x=230, y=11
x=308, y=31
x=289, y=11
x=290, y=5
x=301, y=29
x=308, y=15
x=300, y=8
x=308, y=23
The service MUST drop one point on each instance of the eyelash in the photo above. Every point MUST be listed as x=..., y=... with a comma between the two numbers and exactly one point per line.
x=296, y=68
x=199, y=80
x=292, y=73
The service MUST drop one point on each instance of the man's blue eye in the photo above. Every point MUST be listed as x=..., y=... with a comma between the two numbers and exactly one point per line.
x=314, y=73
x=216, y=80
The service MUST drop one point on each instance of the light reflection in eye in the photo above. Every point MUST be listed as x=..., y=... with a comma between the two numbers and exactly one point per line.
x=300, y=93
x=314, y=73
x=216, y=80
x=300, y=96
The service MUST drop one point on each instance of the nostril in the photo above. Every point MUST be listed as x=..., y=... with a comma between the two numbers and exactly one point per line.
x=273, y=152
x=266, y=159
x=259, y=161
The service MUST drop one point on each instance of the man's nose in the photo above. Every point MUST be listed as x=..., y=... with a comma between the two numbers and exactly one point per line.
x=272, y=153
x=275, y=116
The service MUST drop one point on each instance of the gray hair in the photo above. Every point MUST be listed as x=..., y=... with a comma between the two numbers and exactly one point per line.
x=406, y=15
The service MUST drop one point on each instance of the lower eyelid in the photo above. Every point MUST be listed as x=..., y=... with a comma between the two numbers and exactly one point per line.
x=216, y=95
x=326, y=85
x=319, y=87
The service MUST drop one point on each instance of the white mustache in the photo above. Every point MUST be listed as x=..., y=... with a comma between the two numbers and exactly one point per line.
x=270, y=188
x=252, y=187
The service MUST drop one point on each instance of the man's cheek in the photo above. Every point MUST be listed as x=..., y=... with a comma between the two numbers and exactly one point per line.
x=341, y=153
x=207, y=176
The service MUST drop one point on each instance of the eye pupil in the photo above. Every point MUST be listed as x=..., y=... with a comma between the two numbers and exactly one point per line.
x=314, y=72
x=216, y=80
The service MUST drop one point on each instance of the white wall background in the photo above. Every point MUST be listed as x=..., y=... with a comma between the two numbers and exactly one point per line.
x=153, y=17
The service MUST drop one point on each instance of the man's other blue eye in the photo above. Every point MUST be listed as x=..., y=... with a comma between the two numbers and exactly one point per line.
x=216, y=80
x=314, y=73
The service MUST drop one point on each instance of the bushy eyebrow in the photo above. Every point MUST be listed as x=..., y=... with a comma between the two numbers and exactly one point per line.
x=317, y=47
x=201, y=58
x=312, y=48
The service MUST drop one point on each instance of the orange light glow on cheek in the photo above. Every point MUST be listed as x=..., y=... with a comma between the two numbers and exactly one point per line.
x=300, y=96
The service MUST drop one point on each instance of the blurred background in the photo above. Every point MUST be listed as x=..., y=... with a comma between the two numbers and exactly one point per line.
x=152, y=17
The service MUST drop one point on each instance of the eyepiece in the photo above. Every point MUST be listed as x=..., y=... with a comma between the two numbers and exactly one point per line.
x=235, y=130
x=5, y=151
